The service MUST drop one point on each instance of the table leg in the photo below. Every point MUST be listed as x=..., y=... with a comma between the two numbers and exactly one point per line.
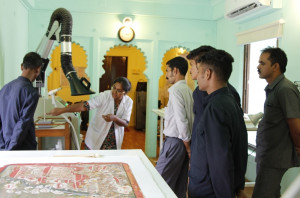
x=67, y=137
x=161, y=133
x=40, y=146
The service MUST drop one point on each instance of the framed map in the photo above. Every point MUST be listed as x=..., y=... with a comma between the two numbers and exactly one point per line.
x=68, y=180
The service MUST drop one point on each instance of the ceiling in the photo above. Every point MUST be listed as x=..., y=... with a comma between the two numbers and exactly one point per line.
x=185, y=9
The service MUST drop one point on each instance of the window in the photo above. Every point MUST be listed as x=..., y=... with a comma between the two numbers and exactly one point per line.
x=254, y=94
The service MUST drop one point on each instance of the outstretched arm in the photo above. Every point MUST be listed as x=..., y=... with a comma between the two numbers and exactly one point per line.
x=77, y=107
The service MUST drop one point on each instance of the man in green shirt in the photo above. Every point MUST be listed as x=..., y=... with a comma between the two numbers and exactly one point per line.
x=278, y=134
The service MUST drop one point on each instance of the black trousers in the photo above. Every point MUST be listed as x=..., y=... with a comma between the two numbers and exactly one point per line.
x=173, y=165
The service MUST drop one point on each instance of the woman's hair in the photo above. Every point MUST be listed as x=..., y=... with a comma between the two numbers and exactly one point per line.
x=126, y=85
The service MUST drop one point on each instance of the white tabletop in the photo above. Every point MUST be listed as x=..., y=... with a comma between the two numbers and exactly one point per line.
x=148, y=179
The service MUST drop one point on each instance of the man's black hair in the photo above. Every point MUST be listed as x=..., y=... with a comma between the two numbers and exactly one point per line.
x=196, y=53
x=32, y=60
x=180, y=63
x=276, y=55
x=126, y=84
x=220, y=62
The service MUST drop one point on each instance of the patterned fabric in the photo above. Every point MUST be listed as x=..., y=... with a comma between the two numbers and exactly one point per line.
x=110, y=140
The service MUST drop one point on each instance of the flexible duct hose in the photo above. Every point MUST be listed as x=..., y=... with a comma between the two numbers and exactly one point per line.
x=64, y=18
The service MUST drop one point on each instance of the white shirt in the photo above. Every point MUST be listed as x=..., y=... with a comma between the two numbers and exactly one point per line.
x=179, y=114
x=98, y=128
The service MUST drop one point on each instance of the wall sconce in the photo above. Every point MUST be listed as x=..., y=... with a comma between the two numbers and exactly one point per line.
x=126, y=33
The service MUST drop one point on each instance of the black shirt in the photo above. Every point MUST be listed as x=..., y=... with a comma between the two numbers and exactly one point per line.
x=219, y=148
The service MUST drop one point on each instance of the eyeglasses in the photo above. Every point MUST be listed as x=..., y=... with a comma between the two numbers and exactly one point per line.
x=119, y=91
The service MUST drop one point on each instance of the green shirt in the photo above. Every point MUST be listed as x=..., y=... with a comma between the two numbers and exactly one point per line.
x=273, y=142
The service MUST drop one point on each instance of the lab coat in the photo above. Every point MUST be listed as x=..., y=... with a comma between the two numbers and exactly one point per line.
x=98, y=127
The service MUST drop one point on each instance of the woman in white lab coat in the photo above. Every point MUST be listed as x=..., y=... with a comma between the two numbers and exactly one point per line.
x=113, y=111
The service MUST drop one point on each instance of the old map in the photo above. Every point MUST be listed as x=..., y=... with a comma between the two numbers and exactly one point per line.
x=68, y=180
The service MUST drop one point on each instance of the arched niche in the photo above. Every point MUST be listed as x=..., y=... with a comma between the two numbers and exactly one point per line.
x=163, y=94
x=136, y=66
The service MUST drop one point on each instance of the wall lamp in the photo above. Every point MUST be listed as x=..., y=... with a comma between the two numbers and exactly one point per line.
x=126, y=33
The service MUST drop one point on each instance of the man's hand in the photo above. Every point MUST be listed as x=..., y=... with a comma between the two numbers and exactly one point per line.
x=187, y=148
x=109, y=117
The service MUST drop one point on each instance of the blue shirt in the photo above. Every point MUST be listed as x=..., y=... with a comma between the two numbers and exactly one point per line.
x=18, y=101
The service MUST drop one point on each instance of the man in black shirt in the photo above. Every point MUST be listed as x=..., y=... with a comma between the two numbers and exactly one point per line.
x=198, y=95
x=219, y=145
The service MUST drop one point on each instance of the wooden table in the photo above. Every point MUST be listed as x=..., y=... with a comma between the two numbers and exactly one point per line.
x=57, y=128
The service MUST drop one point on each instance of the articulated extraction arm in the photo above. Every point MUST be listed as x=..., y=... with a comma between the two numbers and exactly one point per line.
x=60, y=29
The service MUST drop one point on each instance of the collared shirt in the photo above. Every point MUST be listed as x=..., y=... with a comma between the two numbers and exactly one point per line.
x=18, y=101
x=98, y=128
x=179, y=112
x=274, y=146
x=219, y=148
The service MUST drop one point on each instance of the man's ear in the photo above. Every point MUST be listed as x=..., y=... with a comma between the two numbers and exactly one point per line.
x=208, y=73
x=175, y=70
x=276, y=67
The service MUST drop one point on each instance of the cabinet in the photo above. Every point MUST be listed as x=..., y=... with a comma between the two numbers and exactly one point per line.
x=141, y=95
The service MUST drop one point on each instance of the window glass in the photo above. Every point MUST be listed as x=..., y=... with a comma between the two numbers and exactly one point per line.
x=256, y=94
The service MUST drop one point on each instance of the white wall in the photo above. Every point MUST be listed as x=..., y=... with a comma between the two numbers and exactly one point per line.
x=13, y=39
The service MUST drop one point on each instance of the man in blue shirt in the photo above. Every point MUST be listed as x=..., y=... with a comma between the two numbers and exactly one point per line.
x=18, y=101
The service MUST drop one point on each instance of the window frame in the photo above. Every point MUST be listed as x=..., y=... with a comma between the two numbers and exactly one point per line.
x=246, y=76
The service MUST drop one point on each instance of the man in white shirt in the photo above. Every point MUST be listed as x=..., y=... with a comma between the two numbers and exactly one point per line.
x=173, y=160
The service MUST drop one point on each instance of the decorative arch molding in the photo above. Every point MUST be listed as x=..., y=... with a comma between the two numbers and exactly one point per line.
x=175, y=47
x=126, y=45
x=165, y=46
x=163, y=86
